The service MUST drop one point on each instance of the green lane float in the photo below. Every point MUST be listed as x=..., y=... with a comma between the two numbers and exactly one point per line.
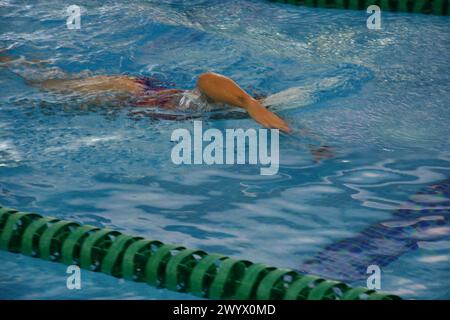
x=162, y=265
x=437, y=7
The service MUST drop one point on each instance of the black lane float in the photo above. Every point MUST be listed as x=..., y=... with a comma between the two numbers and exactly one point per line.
x=437, y=7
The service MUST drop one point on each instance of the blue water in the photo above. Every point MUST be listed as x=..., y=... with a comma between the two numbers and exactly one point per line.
x=380, y=98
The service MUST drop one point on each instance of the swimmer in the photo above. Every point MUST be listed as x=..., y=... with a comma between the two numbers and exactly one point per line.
x=211, y=88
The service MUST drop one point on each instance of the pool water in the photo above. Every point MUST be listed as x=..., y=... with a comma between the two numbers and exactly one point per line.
x=379, y=98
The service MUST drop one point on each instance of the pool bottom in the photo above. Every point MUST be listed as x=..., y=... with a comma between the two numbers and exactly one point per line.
x=386, y=241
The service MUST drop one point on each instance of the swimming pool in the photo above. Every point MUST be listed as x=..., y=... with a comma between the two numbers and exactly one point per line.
x=378, y=97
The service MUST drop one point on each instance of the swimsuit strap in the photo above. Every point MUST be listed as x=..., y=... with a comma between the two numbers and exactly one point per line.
x=153, y=98
x=153, y=84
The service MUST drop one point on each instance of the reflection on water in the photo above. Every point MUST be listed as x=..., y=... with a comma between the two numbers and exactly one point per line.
x=368, y=95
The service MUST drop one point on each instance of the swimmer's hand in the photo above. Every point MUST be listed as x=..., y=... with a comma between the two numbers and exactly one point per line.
x=6, y=60
x=322, y=153
x=266, y=118
x=222, y=89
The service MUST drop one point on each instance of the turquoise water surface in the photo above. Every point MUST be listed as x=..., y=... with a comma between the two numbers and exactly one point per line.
x=379, y=98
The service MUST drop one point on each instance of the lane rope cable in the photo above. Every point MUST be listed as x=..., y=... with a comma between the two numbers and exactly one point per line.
x=169, y=266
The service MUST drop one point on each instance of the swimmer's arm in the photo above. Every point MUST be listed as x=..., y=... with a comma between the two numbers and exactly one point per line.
x=224, y=90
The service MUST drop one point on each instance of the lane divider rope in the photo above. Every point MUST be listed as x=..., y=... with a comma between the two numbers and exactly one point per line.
x=436, y=7
x=162, y=265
